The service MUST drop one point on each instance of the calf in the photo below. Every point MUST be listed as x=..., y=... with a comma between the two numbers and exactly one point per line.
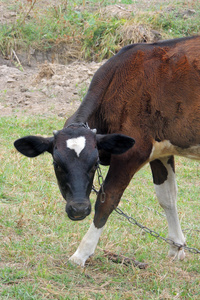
x=144, y=104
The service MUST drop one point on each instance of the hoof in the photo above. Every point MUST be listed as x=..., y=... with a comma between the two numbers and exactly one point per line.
x=177, y=254
x=77, y=260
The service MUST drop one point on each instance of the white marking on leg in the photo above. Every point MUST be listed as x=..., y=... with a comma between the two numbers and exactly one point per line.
x=87, y=245
x=76, y=144
x=167, y=193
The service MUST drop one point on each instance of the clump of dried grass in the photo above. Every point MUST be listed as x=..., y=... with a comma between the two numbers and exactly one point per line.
x=45, y=71
x=138, y=33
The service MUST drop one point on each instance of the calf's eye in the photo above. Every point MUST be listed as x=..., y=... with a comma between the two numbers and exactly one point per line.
x=56, y=166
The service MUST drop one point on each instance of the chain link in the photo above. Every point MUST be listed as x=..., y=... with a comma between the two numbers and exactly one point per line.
x=101, y=184
x=163, y=215
x=156, y=234
x=135, y=222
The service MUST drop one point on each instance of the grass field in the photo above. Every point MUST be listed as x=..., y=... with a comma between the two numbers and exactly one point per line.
x=37, y=238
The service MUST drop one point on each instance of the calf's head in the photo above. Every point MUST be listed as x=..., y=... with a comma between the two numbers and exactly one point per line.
x=75, y=156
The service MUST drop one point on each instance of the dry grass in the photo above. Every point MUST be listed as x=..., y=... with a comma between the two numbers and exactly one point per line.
x=65, y=31
x=38, y=238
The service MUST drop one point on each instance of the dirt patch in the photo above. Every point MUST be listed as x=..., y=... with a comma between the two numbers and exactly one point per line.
x=46, y=89
x=51, y=88
x=39, y=85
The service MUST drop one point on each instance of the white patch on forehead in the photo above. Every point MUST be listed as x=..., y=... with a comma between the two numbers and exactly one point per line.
x=76, y=144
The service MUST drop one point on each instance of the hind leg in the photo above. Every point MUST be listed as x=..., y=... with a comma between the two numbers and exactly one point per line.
x=166, y=190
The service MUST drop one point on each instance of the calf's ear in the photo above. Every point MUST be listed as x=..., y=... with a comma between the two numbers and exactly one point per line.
x=114, y=143
x=32, y=146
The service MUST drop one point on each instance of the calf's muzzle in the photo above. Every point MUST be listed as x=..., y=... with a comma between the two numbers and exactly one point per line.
x=78, y=210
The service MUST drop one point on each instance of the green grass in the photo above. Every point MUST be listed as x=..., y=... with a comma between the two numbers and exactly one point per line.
x=87, y=31
x=37, y=238
x=174, y=23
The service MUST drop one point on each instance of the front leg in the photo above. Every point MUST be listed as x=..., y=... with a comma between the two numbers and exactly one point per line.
x=91, y=238
x=163, y=171
x=87, y=245
x=117, y=179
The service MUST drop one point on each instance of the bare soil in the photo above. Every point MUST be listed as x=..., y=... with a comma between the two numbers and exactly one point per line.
x=39, y=87
x=45, y=89
x=36, y=86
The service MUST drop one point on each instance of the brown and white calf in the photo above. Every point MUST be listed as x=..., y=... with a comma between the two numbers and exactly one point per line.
x=144, y=103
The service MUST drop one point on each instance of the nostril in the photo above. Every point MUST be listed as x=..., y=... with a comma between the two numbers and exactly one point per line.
x=74, y=209
x=87, y=210
x=78, y=209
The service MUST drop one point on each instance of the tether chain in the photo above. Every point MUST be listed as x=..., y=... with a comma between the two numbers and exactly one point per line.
x=156, y=234
x=135, y=222
x=101, y=184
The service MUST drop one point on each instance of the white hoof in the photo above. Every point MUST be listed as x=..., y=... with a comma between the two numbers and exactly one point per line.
x=77, y=260
x=177, y=254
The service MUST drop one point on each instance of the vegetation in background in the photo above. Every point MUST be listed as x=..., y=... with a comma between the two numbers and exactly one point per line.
x=87, y=30
x=37, y=238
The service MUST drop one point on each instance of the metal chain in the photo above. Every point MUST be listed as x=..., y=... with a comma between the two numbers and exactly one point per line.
x=163, y=215
x=101, y=184
x=135, y=222
x=156, y=234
